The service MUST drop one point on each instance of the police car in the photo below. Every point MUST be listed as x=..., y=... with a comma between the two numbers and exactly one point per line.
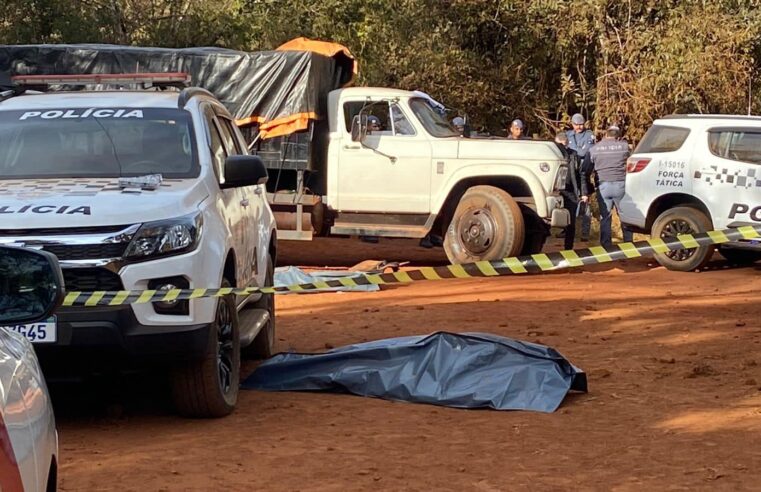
x=695, y=173
x=141, y=190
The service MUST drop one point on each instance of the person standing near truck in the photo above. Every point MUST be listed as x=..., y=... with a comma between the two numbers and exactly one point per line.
x=515, y=132
x=575, y=190
x=609, y=160
x=458, y=122
x=580, y=140
x=373, y=124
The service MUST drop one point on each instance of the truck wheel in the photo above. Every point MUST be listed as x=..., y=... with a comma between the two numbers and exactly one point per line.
x=263, y=345
x=537, y=231
x=740, y=256
x=683, y=220
x=209, y=387
x=487, y=225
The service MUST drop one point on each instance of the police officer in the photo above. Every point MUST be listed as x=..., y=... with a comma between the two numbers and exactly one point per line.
x=515, y=132
x=580, y=140
x=576, y=187
x=458, y=122
x=609, y=160
x=373, y=124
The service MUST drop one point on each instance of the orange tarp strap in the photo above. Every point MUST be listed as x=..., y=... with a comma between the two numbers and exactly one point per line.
x=279, y=126
x=250, y=120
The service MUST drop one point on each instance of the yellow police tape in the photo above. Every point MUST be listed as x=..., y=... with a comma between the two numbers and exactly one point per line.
x=537, y=263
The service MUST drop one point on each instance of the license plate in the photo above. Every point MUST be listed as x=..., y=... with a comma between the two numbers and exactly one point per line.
x=43, y=332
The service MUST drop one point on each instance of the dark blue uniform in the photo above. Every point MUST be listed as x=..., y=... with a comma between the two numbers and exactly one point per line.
x=580, y=142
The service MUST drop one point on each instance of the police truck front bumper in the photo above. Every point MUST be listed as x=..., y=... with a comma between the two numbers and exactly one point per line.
x=112, y=335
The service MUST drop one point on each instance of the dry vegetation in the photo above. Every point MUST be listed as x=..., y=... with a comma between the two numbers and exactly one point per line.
x=628, y=61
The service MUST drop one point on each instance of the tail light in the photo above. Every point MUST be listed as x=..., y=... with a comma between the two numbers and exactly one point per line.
x=636, y=164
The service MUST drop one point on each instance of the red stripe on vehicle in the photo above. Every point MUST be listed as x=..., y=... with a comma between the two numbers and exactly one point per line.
x=10, y=475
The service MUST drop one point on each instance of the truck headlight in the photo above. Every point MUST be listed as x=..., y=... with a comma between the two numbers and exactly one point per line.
x=561, y=177
x=165, y=237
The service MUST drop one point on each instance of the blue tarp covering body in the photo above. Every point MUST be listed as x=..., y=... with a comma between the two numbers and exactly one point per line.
x=470, y=370
x=291, y=275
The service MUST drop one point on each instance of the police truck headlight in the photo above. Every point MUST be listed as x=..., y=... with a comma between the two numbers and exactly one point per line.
x=561, y=177
x=166, y=237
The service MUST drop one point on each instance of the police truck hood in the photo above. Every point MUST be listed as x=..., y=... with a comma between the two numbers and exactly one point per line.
x=70, y=202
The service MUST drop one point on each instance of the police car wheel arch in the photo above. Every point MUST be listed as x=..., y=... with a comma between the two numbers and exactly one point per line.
x=683, y=220
x=263, y=345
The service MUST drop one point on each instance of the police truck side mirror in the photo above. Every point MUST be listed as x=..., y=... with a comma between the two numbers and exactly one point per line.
x=31, y=285
x=244, y=170
x=359, y=127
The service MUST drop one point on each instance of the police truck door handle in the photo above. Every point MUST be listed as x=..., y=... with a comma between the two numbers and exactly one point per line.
x=244, y=202
x=352, y=147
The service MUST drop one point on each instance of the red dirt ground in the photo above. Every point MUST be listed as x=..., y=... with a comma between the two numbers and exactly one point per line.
x=674, y=365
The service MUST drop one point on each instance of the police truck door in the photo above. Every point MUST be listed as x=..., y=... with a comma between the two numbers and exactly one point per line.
x=233, y=198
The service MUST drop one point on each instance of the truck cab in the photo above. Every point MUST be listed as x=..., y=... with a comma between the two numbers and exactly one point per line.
x=411, y=174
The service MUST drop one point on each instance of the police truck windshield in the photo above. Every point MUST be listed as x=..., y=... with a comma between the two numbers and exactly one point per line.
x=97, y=142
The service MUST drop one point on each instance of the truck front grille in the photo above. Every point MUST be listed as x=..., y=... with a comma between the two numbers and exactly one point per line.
x=66, y=252
x=90, y=279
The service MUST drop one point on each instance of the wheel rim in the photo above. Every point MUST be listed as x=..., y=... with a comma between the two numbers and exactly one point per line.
x=478, y=230
x=674, y=228
x=225, y=347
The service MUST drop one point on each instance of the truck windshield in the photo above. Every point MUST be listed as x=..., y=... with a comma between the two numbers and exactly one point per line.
x=97, y=142
x=434, y=123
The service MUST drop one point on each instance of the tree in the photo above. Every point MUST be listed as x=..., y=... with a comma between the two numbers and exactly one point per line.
x=626, y=61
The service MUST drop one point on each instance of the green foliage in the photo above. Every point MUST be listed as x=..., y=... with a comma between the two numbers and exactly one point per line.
x=625, y=61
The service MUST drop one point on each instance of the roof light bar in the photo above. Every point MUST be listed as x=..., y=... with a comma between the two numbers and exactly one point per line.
x=170, y=78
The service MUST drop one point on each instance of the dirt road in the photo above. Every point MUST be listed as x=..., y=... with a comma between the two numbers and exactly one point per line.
x=674, y=364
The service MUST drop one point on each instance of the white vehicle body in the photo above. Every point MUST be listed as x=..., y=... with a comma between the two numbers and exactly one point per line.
x=426, y=168
x=92, y=223
x=406, y=179
x=28, y=439
x=710, y=163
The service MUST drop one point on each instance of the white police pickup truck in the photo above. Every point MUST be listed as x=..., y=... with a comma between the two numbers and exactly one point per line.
x=694, y=173
x=136, y=190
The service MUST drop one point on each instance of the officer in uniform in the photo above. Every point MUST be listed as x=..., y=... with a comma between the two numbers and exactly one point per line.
x=373, y=124
x=458, y=122
x=580, y=140
x=515, y=132
x=609, y=160
x=576, y=187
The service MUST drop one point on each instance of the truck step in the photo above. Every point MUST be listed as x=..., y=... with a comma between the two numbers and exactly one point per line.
x=355, y=229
